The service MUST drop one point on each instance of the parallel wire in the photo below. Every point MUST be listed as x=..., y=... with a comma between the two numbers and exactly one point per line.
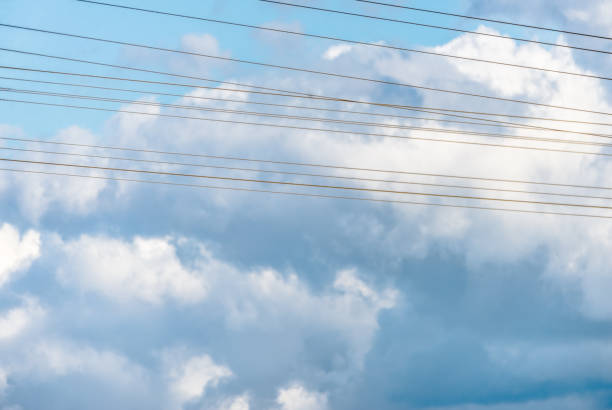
x=324, y=37
x=304, y=70
x=280, y=172
x=304, y=185
x=311, y=128
x=413, y=23
x=278, y=92
x=303, y=107
x=321, y=119
x=300, y=194
x=556, y=30
x=295, y=163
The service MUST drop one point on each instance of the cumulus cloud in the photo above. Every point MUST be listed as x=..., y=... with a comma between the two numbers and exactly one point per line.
x=16, y=320
x=331, y=326
x=296, y=397
x=235, y=403
x=147, y=270
x=190, y=377
x=336, y=51
x=38, y=193
x=17, y=252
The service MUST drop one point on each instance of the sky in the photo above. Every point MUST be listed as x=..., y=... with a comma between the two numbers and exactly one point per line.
x=116, y=294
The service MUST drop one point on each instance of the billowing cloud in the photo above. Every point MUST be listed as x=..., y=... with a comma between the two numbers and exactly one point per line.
x=144, y=269
x=17, y=252
x=336, y=51
x=296, y=397
x=16, y=320
x=192, y=376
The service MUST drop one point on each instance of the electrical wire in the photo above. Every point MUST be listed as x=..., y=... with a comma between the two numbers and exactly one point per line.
x=304, y=70
x=301, y=107
x=304, y=185
x=281, y=92
x=556, y=30
x=322, y=119
x=280, y=172
x=414, y=23
x=311, y=128
x=300, y=194
x=294, y=163
x=325, y=37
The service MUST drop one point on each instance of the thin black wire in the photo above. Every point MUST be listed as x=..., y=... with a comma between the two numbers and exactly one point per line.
x=556, y=30
x=304, y=185
x=283, y=93
x=300, y=194
x=324, y=37
x=312, y=129
x=280, y=172
x=304, y=70
x=413, y=23
x=302, y=107
x=293, y=163
x=321, y=119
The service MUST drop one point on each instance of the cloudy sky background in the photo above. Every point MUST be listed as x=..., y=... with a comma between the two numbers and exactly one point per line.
x=123, y=295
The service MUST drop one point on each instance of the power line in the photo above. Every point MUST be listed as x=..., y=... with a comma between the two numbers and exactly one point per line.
x=304, y=185
x=280, y=172
x=556, y=30
x=324, y=37
x=414, y=23
x=304, y=70
x=311, y=128
x=323, y=119
x=300, y=194
x=281, y=92
x=491, y=123
x=299, y=164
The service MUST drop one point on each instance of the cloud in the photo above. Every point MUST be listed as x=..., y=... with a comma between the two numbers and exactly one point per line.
x=16, y=320
x=235, y=403
x=190, y=377
x=17, y=252
x=336, y=51
x=146, y=270
x=38, y=193
x=296, y=397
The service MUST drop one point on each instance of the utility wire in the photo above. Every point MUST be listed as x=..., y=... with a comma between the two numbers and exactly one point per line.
x=556, y=30
x=280, y=172
x=304, y=70
x=300, y=194
x=320, y=119
x=414, y=23
x=281, y=92
x=304, y=185
x=302, y=107
x=294, y=163
x=311, y=128
x=324, y=37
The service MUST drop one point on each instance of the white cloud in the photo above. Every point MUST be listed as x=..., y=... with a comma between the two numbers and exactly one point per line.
x=296, y=397
x=189, y=378
x=37, y=193
x=16, y=320
x=50, y=359
x=336, y=51
x=201, y=44
x=235, y=403
x=595, y=13
x=144, y=269
x=17, y=252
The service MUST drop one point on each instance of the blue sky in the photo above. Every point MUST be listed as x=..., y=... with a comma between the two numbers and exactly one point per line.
x=123, y=295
